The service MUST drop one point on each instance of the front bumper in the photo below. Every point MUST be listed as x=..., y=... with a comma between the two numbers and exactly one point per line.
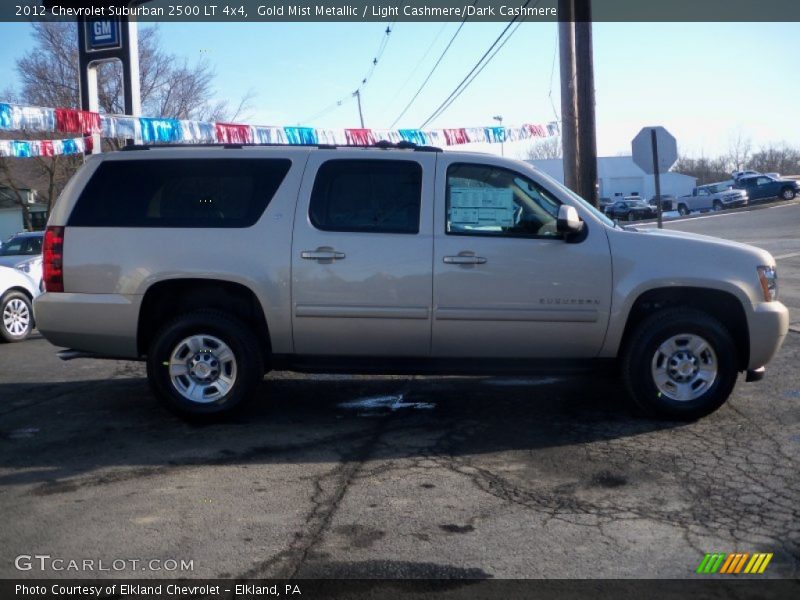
x=768, y=325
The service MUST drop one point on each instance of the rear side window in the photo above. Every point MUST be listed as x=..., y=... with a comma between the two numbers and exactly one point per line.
x=179, y=193
x=370, y=196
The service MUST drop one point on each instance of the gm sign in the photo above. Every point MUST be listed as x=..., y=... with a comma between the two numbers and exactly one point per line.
x=102, y=34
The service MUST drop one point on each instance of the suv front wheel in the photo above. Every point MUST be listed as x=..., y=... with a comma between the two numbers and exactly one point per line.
x=204, y=363
x=680, y=364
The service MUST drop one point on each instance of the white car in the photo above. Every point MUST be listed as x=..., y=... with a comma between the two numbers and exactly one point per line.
x=17, y=291
x=737, y=175
x=32, y=267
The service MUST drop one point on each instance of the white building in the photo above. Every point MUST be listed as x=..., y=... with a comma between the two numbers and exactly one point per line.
x=619, y=176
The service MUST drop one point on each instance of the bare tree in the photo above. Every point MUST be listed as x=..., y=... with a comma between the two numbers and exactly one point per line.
x=739, y=151
x=49, y=76
x=776, y=159
x=547, y=148
x=706, y=170
x=170, y=86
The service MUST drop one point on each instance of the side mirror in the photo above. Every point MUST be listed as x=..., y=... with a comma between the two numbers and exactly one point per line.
x=568, y=220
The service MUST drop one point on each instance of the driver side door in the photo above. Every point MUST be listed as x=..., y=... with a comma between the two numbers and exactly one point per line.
x=506, y=283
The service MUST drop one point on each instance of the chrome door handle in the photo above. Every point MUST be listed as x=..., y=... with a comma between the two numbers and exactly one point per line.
x=465, y=259
x=322, y=254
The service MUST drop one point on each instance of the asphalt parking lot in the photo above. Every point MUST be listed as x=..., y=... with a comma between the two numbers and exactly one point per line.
x=404, y=477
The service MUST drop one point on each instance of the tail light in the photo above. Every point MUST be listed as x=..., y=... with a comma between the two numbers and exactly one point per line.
x=53, y=259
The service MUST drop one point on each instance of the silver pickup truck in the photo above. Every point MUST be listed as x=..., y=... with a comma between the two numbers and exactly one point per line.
x=217, y=264
x=712, y=196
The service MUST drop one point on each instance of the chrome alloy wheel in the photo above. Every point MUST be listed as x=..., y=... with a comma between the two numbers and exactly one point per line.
x=16, y=317
x=202, y=368
x=684, y=367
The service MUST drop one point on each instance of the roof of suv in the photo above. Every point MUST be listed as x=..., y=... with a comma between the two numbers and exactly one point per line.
x=382, y=145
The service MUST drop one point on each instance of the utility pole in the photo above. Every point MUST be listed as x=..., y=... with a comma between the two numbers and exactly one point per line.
x=499, y=119
x=587, y=135
x=357, y=94
x=569, y=108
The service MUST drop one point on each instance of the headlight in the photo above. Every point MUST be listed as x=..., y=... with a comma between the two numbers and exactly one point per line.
x=768, y=277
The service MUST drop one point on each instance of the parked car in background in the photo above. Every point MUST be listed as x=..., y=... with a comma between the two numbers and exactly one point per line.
x=736, y=175
x=631, y=210
x=713, y=196
x=668, y=202
x=764, y=187
x=20, y=247
x=17, y=291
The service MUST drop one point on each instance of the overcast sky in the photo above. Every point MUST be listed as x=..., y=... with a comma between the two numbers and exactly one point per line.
x=705, y=82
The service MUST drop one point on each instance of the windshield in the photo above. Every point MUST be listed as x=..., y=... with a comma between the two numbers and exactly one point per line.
x=596, y=212
x=587, y=206
x=28, y=246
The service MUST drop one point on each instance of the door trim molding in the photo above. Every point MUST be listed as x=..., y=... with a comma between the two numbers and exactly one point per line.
x=516, y=314
x=361, y=312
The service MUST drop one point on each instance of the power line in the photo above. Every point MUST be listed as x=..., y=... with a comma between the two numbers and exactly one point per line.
x=447, y=103
x=552, y=75
x=364, y=80
x=435, y=66
x=479, y=66
x=421, y=60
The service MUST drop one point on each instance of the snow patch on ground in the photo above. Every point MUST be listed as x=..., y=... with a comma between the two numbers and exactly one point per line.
x=384, y=403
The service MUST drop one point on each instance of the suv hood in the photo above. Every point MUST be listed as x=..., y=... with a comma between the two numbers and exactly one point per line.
x=697, y=240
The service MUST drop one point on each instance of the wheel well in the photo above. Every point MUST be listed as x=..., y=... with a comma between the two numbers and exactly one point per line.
x=723, y=306
x=166, y=300
x=18, y=289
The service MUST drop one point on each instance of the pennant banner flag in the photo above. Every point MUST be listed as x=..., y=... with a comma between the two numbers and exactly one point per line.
x=32, y=148
x=148, y=130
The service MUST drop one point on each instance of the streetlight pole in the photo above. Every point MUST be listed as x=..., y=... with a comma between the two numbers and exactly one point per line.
x=499, y=119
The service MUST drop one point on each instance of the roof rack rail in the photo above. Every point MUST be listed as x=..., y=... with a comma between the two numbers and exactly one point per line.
x=382, y=144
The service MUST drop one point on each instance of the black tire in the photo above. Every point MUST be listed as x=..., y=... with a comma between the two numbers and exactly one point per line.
x=641, y=351
x=248, y=362
x=630, y=216
x=15, y=301
x=718, y=205
x=682, y=210
x=787, y=193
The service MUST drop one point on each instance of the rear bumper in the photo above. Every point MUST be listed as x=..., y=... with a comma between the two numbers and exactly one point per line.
x=768, y=325
x=104, y=324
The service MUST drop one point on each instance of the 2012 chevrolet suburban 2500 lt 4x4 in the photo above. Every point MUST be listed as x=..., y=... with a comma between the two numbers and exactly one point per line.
x=216, y=264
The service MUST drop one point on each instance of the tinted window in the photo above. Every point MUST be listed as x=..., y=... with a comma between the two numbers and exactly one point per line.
x=179, y=193
x=367, y=196
x=485, y=200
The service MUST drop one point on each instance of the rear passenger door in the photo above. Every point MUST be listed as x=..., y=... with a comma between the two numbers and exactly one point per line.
x=362, y=254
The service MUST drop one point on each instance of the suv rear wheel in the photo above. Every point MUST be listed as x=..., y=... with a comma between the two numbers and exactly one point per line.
x=204, y=363
x=17, y=317
x=680, y=364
